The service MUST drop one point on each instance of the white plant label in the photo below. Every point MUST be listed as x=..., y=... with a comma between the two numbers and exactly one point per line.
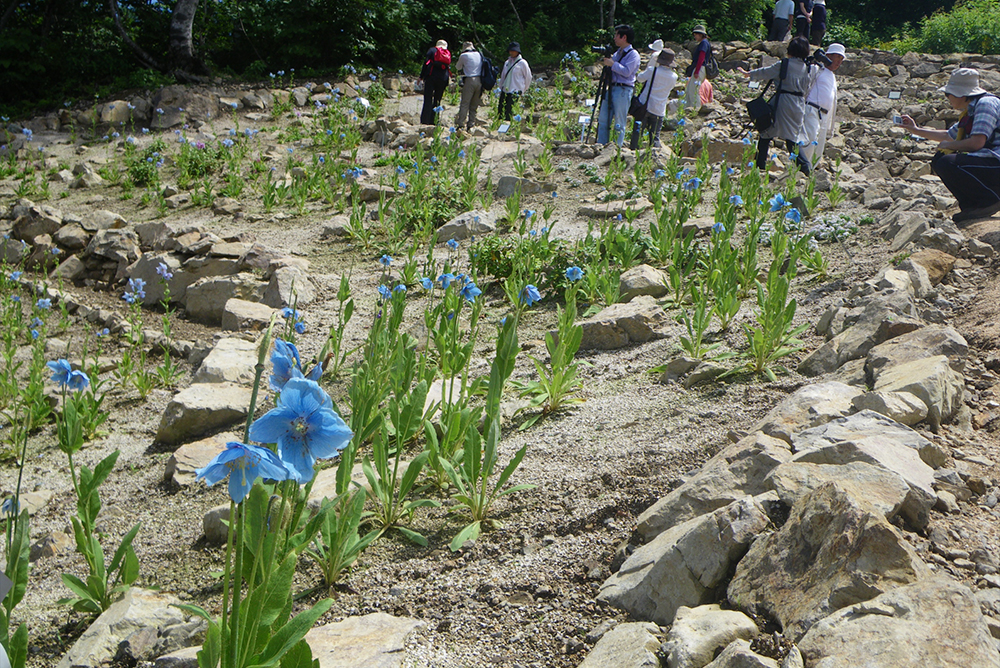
x=503, y=128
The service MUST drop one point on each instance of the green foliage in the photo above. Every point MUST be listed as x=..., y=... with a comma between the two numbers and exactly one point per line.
x=973, y=26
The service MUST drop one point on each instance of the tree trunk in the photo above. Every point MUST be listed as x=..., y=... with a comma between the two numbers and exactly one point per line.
x=143, y=57
x=611, y=14
x=600, y=15
x=181, y=41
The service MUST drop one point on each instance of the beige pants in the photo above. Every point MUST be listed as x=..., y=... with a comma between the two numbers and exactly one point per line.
x=692, y=96
x=472, y=91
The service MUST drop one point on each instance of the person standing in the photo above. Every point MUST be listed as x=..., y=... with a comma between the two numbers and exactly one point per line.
x=515, y=77
x=791, y=103
x=661, y=79
x=699, y=55
x=803, y=15
x=654, y=51
x=817, y=25
x=624, y=65
x=470, y=64
x=968, y=158
x=784, y=12
x=821, y=106
x=435, y=74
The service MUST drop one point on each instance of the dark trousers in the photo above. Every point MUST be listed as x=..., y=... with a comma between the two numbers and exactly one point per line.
x=648, y=123
x=801, y=27
x=973, y=180
x=764, y=145
x=505, y=107
x=779, y=28
x=433, y=92
x=818, y=28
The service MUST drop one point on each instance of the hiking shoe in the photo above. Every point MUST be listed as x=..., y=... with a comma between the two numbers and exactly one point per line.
x=981, y=212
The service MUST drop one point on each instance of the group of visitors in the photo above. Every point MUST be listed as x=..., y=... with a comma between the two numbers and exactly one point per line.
x=807, y=17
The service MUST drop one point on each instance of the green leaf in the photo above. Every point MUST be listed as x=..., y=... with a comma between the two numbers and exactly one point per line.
x=291, y=633
x=195, y=610
x=211, y=650
x=123, y=549
x=18, y=650
x=299, y=656
x=471, y=532
x=413, y=536
x=76, y=585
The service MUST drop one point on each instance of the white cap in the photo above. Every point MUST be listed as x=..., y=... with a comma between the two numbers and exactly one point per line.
x=836, y=49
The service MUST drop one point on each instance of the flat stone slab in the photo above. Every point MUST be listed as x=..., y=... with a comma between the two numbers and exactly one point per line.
x=620, y=325
x=230, y=361
x=181, y=465
x=240, y=315
x=615, y=207
x=373, y=641
x=202, y=408
x=630, y=645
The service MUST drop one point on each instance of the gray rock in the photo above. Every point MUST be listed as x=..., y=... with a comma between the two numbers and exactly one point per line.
x=508, y=185
x=903, y=407
x=630, y=645
x=102, y=219
x=833, y=551
x=138, y=609
x=185, y=460
x=884, y=490
x=71, y=269
x=620, y=325
x=737, y=471
x=239, y=315
x=466, y=225
x=146, y=269
x=920, y=343
x=698, y=633
x=936, y=622
x=231, y=361
x=739, y=655
x=932, y=380
x=87, y=178
x=205, y=299
x=215, y=524
x=339, y=226
x=289, y=286
x=39, y=220
x=121, y=246
x=52, y=544
x=182, y=658
x=373, y=193
x=615, y=208
x=72, y=237
x=202, y=408
x=906, y=230
x=809, y=406
x=376, y=640
x=940, y=239
x=642, y=280
x=684, y=564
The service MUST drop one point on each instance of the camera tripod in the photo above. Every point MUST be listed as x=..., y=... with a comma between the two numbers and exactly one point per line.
x=603, y=83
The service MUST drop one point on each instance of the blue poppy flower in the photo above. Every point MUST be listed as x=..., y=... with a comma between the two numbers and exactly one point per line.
x=530, y=295
x=794, y=216
x=470, y=291
x=383, y=291
x=736, y=199
x=446, y=279
x=385, y=260
x=243, y=464
x=287, y=364
x=692, y=184
x=427, y=283
x=399, y=288
x=574, y=273
x=778, y=203
x=164, y=271
x=300, y=327
x=718, y=228
x=44, y=304
x=452, y=244
x=65, y=376
x=305, y=427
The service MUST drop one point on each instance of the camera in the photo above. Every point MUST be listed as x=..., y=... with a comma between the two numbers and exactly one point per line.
x=606, y=51
x=819, y=58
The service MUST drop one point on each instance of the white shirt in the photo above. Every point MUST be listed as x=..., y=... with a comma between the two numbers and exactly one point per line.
x=470, y=63
x=783, y=9
x=656, y=96
x=824, y=93
x=516, y=75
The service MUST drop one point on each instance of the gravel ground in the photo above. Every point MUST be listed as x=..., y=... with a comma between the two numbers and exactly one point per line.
x=523, y=594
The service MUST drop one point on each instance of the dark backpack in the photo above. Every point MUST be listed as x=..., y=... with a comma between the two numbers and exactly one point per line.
x=488, y=75
x=711, y=65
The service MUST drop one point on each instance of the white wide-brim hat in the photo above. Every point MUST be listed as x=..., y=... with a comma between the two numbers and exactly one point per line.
x=964, y=82
x=656, y=45
x=836, y=49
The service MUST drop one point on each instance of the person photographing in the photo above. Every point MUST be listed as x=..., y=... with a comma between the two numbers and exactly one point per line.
x=968, y=158
x=821, y=106
x=624, y=65
x=515, y=77
x=660, y=79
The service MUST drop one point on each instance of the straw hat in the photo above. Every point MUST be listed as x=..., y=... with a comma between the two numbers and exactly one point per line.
x=467, y=46
x=700, y=29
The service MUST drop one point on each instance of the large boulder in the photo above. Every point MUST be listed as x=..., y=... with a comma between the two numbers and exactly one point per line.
x=683, y=565
x=883, y=489
x=739, y=655
x=182, y=465
x=809, y=406
x=833, y=551
x=737, y=471
x=875, y=439
x=239, y=315
x=935, y=622
x=932, y=380
x=138, y=609
x=205, y=299
x=630, y=645
x=620, y=325
x=230, y=361
x=698, y=634
x=120, y=246
x=147, y=268
x=289, y=286
x=376, y=640
x=642, y=280
x=201, y=408
x=466, y=225
x=927, y=341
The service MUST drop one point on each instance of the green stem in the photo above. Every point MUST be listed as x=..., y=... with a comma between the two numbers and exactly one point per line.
x=234, y=619
x=225, y=578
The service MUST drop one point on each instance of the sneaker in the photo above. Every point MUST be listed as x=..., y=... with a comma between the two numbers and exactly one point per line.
x=981, y=212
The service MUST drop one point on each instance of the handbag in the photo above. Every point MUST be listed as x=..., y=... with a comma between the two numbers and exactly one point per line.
x=637, y=109
x=763, y=112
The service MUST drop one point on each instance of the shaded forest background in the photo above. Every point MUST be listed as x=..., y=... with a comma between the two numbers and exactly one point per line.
x=58, y=51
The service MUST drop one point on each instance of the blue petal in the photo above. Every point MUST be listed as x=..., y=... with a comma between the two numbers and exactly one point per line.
x=296, y=457
x=328, y=434
x=274, y=424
